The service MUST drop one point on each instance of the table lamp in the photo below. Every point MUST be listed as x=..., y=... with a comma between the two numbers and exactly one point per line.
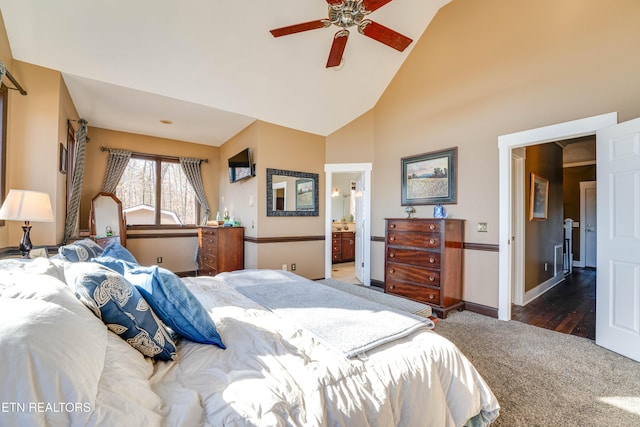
x=27, y=206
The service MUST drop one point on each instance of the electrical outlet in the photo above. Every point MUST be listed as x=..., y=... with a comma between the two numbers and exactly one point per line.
x=159, y=260
x=482, y=227
x=293, y=267
x=284, y=267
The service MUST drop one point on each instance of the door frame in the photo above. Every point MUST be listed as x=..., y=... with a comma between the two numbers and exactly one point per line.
x=518, y=157
x=506, y=143
x=365, y=170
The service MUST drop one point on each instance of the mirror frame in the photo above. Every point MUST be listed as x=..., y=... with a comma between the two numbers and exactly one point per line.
x=120, y=220
x=306, y=212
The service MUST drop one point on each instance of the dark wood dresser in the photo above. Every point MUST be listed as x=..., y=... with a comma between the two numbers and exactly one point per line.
x=220, y=249
x=423, y=261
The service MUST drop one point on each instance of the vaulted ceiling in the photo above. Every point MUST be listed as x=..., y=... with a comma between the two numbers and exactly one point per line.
x=210, y=67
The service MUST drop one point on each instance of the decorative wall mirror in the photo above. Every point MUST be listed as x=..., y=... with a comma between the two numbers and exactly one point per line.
x=106, y=219
x=291, y=193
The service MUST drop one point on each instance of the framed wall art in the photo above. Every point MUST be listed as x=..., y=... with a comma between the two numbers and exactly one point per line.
x=539, y=198
x=430, y=178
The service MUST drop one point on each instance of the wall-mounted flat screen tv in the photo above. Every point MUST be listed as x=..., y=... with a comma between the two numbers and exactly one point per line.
x=241, y=166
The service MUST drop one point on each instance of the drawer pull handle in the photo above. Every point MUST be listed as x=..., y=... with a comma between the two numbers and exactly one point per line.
x=431, y=241
x=432, y=296
x=431, y=278
x=431, y=260
x=432, y=227
x=392, y=255
x=392, y=286
x=392, y=226
x=392, y=239
x=392, y=271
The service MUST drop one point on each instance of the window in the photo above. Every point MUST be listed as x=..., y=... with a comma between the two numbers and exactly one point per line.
x=3, y=141
x=173, y=202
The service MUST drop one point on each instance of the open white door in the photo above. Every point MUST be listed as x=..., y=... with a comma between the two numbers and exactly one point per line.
x=618, y=239
x=360, y=219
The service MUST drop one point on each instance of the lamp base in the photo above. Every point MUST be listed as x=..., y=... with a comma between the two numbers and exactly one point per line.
x=25, y=243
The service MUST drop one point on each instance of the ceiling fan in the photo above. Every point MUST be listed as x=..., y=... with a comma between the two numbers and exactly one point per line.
x=345, y=14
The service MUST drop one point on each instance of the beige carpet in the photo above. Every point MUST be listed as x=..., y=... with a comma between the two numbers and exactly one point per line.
x=545, y=378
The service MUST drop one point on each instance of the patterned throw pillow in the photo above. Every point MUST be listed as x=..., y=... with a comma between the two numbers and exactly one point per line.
x=80, y=251
x=117, y=251
x=174, y=303
x=121, y=307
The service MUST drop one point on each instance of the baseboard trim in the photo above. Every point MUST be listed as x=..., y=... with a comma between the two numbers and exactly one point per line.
x=377, y=283
x=481, y=309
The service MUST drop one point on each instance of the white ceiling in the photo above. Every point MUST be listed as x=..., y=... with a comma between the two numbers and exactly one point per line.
x=209, y=66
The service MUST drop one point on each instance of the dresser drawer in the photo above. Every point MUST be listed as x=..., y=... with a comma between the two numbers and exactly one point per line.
x=416, y=240
x=407, y=273
x=415, y=292
x=209, y=259
x=423, y=226
x=414, y=257
x=207, y=271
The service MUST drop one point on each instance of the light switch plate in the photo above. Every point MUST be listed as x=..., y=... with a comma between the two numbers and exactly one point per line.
x=482, y=227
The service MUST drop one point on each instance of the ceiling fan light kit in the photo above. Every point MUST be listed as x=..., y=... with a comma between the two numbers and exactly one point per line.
x=346, y=14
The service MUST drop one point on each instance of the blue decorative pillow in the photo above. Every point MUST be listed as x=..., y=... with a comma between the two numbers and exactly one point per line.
x=121, y=307
x=175, y=304
x=116, y=264
x=116, y=250
x=80, y=251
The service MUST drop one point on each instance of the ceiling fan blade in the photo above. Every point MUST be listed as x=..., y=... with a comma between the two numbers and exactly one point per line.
x=371, y=5
x=337, y=48
x=298, y=28
x=384, y=35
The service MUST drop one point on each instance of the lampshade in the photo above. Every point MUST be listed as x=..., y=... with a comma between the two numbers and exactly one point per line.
x=27, y=205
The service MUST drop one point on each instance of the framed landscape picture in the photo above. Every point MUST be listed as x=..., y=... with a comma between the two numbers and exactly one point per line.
x=430, y=178
x=304, y=194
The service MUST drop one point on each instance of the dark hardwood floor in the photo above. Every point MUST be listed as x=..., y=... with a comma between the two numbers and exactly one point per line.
x=569, y=307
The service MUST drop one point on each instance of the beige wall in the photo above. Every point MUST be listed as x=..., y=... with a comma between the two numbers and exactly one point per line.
x=276, y=147
x=490, y=68
x=33, y=145
x=7, y=60
x=353, y=143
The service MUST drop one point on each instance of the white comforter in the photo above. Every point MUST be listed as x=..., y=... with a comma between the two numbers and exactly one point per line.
x=61, y=366
x=273, y=374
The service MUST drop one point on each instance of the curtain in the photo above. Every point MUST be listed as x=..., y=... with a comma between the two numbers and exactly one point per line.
x=116, y=165
x=3, y=70
x=191, y=168
x=71, y=222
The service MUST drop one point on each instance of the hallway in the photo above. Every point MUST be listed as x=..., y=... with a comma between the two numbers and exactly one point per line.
x=570, y=307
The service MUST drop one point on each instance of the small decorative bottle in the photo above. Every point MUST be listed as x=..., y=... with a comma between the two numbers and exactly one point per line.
x=439, y=212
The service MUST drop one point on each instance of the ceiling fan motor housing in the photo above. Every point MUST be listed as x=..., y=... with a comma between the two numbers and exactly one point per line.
x=347, y=14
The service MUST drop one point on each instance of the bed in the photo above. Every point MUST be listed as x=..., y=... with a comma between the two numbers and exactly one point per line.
x=63, y=362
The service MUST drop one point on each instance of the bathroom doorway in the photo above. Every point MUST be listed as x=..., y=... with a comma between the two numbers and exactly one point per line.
x=347, y=222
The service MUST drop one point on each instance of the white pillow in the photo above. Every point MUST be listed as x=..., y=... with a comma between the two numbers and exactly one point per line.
x=52, y=353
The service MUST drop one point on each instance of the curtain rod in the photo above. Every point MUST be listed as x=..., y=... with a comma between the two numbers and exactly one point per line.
x=15, y=83
x=151, y=155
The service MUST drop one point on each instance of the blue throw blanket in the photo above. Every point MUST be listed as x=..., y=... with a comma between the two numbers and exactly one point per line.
x=347, y=322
